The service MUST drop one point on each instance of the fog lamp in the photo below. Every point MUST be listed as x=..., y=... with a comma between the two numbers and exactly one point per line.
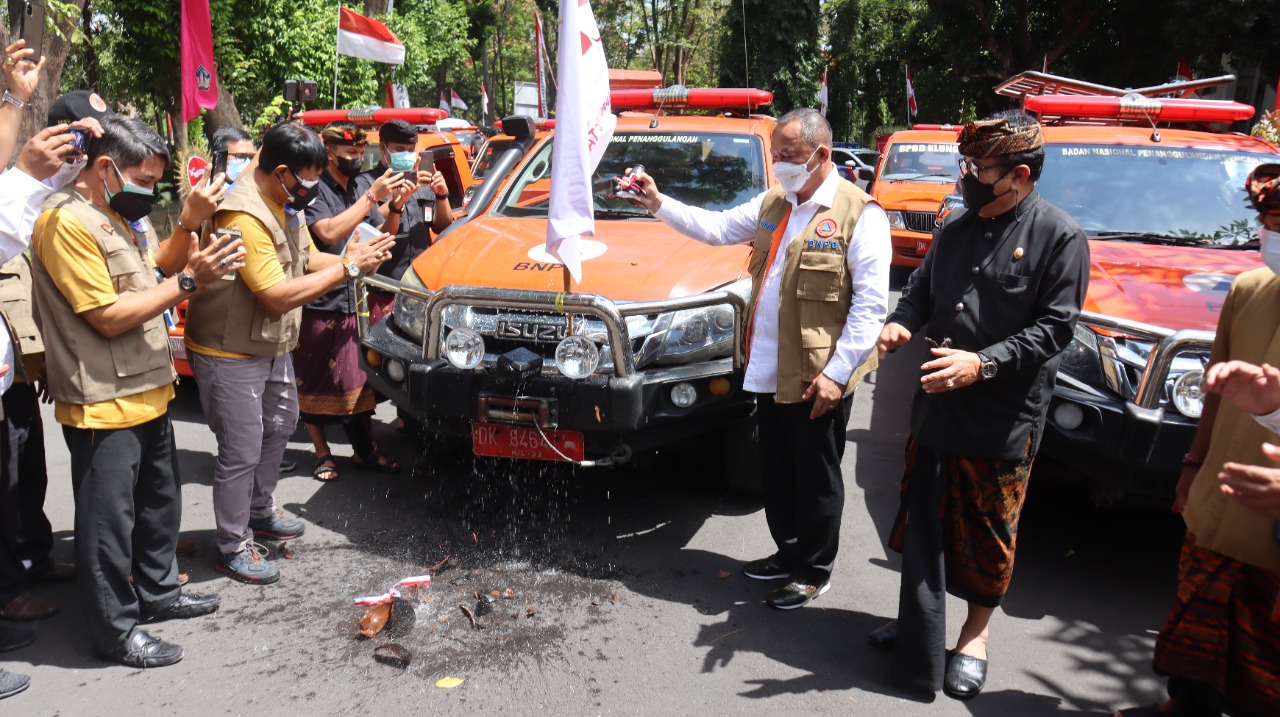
x=577, y=357
x=1068, y=416
x=373, y=357
x=464, y=348
x=683, y=395
x=395, y=370
x=1188, y=394
x=718, y=386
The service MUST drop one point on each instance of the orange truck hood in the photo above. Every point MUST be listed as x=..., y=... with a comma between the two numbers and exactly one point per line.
x=638, y=259
x=1169, y=286
x=912, y=196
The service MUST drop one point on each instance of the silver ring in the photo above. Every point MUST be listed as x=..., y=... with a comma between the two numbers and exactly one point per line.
x=223, y=263
x=951, y=383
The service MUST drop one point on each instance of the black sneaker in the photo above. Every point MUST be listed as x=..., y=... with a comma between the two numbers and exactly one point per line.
x=773, y=567
x=794, y=595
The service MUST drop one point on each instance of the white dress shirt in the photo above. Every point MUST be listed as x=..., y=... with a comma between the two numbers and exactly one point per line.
x=868, y=259
x=1270, y=421
x=20, y=198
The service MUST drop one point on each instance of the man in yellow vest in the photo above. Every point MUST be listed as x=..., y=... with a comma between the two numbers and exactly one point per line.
x=99, y=303
x=819, y=287
x=240, y=333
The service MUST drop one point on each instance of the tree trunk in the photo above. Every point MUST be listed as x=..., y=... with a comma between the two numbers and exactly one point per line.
x=376, y=7
x=56, y=46
x=226, y=114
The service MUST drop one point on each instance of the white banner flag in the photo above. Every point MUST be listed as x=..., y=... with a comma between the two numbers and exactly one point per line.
x=584, y=124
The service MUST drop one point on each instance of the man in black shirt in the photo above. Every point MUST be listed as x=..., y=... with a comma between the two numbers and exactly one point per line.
x=1000, y=291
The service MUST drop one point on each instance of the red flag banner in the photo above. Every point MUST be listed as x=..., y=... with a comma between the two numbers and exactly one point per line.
x=199, y=73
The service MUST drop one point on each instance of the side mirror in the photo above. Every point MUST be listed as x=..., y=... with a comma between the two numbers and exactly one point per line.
x=848, y=163
x=866, y=174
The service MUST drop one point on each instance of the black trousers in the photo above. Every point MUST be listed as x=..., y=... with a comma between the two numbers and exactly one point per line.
x=26, y=538
x=919, y=654
x=803, y=485
x=128, y=512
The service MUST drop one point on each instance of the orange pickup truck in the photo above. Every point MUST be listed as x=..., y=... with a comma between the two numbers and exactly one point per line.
x=472, y=346
x=1169, y=229
x=919, y=167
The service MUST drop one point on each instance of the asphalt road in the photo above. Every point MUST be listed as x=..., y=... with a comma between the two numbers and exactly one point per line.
x=632, y=578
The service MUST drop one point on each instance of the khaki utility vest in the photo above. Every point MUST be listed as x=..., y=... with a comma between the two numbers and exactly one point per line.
x=15, y=302
x=226, y=315
x=816, y=289
x=85, y=367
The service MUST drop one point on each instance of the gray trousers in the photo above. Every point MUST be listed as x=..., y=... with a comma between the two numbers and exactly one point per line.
x=128, y=511
x=252, y=406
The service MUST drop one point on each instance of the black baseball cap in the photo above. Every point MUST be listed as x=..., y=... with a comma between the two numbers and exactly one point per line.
x=77, y=105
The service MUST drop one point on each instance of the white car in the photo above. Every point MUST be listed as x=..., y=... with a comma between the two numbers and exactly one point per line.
x=850, y=163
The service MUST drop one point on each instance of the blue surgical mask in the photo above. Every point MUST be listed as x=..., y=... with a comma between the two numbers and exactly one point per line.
x=403, y=161
x=235, y=167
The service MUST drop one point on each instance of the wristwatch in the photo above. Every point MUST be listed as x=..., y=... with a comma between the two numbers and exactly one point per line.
x=989, y=367
x=350, y=267
x=187, y=282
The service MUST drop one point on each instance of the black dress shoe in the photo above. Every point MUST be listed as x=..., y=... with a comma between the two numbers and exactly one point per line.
x=16, y=635
x=185, y=606
x=884, y=637
x=143, y=650
x=770, y=568
x=966, y=676
x=794, y=595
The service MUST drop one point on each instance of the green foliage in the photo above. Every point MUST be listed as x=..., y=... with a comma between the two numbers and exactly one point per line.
x=783, y=53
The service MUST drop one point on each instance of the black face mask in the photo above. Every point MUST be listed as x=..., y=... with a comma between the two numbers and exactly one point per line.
x=131, y=202
x=977, y=194
x=300, y=196
x=350, y=166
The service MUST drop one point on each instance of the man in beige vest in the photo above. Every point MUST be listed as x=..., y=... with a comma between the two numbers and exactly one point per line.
x=820, y=278
x=99, y=305
x=240, y=333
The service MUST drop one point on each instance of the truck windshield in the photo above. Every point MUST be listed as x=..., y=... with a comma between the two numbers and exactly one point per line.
x=922, y=162
x=710, y=170
x=1171, y=192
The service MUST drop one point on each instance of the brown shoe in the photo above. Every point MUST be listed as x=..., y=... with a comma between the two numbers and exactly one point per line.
x=61, y=573
x=186, y=547
x=28, y=606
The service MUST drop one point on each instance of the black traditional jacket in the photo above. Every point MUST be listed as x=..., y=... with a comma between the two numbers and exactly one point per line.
x=1010, y=288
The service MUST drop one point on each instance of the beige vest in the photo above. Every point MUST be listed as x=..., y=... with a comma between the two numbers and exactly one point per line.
x=226, y=315
x=15, y=302
x=85, y=367
x=816, y=289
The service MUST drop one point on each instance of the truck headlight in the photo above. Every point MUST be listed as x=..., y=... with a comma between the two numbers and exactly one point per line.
x=464, y=348
x=703, y=333
x=577, y=357
x=410, y=313
x=895, y=219
x=1081, y=360
x=1188, y=393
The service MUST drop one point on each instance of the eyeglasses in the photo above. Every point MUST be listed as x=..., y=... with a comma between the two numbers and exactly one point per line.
x=970, y=166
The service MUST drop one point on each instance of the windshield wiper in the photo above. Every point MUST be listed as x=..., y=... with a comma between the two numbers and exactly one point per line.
x=603, y=213
x=1151, y=238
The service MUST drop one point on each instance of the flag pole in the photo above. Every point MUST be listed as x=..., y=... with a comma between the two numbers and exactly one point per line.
x=335, y=55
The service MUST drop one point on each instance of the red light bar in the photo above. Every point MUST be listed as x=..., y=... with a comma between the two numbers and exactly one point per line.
x=1136, y=107
x=938, y=127
x=412, y=115
x=681, y=97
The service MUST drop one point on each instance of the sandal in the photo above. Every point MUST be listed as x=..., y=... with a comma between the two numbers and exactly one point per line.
x=325, y=466
x=378, y=461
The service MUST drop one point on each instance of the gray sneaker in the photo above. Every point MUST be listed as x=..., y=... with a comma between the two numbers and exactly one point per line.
x=11, y=683
x=248, y=566
x=276, y=526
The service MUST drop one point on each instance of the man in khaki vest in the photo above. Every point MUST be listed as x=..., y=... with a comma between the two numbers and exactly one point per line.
x=99, y=306
x=820, y=278
x=240, y=333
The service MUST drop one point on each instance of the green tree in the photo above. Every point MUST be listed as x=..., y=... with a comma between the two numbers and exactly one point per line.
x=782, y=50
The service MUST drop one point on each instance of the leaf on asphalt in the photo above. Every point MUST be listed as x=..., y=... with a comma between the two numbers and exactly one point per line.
x=595, y=601
x=508, y=594
x=448, y=683
x=613, y=598
x=722, y=574
x=287, y=550
x=531, y=611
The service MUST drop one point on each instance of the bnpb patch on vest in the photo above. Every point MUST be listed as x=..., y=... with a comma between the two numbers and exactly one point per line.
x=825, y=228
x=769, y=226
x=823, y=244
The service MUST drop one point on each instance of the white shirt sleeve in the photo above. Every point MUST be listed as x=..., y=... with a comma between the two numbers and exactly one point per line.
x=20, y=198
x=1270, y=421
x=65, y=175
x=870, y=251
x=731, y=226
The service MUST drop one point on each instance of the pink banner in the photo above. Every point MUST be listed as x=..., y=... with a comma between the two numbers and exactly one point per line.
x=199, y=74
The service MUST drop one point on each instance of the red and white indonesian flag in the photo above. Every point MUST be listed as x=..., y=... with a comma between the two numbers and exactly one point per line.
x=911, y=95
x=584, y=124
x=199, y=73
x=366, y=38
x=824, y=97
x=456, y=101
x=444, y=104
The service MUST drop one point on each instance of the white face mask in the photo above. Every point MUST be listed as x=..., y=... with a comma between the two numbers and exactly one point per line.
x=1270, y=248
x=792, y=176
